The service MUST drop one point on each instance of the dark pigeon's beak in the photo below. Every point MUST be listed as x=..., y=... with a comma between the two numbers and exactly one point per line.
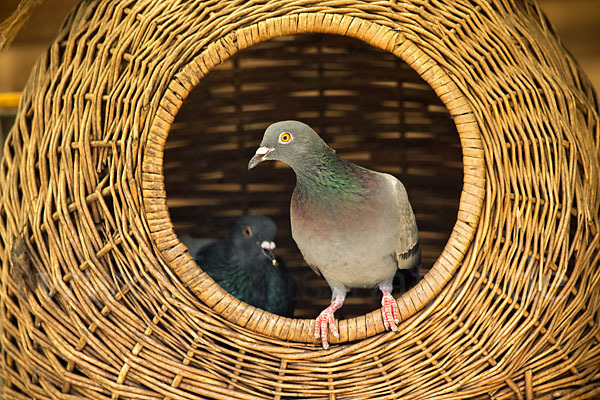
x=260, y=156
x=267, y=249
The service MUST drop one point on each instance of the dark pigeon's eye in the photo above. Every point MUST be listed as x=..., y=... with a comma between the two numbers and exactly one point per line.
x=247, y=231
x=285, y=137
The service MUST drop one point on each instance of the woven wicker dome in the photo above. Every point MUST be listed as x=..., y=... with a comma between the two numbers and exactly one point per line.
x=101, y=300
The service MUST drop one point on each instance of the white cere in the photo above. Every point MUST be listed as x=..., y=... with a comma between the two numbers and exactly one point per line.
x=263, y=150
x=268, y=245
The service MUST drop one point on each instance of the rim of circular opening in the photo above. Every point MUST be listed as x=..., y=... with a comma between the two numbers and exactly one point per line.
x=257, y=320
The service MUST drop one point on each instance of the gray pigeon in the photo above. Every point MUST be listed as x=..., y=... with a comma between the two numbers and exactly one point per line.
x=353, y=225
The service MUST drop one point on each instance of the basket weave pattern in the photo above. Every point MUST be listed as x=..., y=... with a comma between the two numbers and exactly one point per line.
x=99, y=299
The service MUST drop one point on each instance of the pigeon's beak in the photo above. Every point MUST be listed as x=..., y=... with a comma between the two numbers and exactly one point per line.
x=260, y=156
x=267, y=249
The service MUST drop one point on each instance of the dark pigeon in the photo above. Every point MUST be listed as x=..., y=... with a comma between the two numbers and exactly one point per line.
x=354, y=226
x=244, y=265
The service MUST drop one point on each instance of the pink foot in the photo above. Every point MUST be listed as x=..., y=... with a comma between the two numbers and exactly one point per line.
x=324, y=320
x=389, y=310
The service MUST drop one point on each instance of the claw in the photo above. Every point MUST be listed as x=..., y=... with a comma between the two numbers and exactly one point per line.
x=389, y=311
x=326, y=321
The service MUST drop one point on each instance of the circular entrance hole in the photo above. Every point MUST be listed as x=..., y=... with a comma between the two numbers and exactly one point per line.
x=366, y=103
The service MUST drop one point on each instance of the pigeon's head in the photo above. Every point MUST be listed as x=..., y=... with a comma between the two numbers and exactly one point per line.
x=288, y=141
x=254, y=234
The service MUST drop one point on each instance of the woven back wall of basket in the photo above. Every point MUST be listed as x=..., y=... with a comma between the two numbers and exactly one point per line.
x=137, y=125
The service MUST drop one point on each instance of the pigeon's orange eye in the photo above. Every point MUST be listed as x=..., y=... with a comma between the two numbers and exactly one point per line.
x=285, y=137
x=247, y=231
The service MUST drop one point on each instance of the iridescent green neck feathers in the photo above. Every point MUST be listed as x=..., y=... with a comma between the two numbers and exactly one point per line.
x=324, y=177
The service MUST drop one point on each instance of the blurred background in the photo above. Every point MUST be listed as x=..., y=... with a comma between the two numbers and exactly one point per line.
x=576, y=21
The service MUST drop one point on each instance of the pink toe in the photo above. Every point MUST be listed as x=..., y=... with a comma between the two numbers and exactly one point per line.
x=390, y=312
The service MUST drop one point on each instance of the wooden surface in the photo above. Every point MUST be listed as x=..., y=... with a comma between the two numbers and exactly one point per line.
x=576, y=21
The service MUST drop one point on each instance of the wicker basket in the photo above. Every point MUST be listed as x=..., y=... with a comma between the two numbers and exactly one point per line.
x=137, y=124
